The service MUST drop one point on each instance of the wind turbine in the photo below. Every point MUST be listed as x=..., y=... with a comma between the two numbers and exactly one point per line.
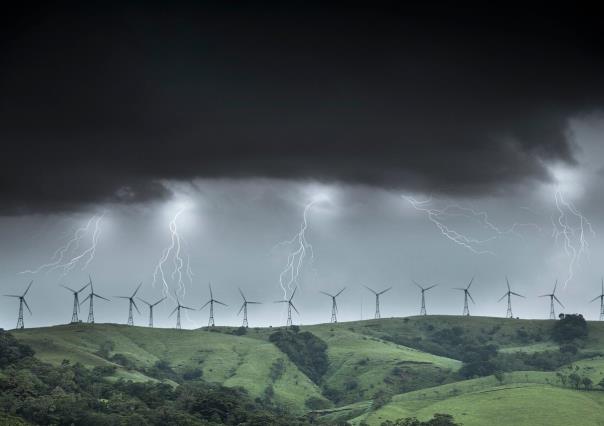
x=76, y=302
x=290, y=305
x=151, y=306
x=601, y=297
x=211, y=303
x=131, y=303
x=466, y=295
x=177, y=309
x=422, y=310
x=244, y=308
x=334, y=305
x=509, y=294
x=552, y=297
x=22, y=302
x=377, y=300
x=91, y=296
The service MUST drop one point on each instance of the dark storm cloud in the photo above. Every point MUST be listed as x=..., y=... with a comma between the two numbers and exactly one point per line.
x=102, y=104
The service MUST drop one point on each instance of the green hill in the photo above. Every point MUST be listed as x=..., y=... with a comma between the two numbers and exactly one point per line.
x=376, y=370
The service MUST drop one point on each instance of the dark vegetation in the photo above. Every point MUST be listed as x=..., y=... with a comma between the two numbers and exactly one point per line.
x=436, y=420
x=479, y=349
x=304, y=349
x=73, y=395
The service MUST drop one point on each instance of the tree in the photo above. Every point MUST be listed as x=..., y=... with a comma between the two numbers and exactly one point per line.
x=574, y=380
x=587, y=383
x=569, y=328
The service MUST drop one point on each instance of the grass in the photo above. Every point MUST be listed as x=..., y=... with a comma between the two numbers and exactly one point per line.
x=226, y=359
x=397, y=356
x=520, y=405
x=367, y=363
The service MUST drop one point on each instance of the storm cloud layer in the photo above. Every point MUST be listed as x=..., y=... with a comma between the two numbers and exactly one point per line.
x=104, y=103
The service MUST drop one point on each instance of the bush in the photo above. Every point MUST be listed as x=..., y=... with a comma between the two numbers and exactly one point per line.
x=316, y=403
x=241, y=331
x=194, y=374
x=305, y=350
x=569, y=328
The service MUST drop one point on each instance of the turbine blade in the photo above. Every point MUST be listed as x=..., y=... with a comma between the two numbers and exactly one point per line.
x=384, y=291
x=27, y=289
x=173, y=312
x=470, y=296
x=144, y=301
x=370, y=289
x=159, y=301
x=508, y=283
x=241, y=309
x=555, y=286
x=340, y=292
x=557, y=300
x=519, y=295
x=469, y=285
x=501, y=298
x=281, y=301
x=293, y=294
x=186, y=307
x=220, y=303
x=69, y=288
x=254, y=303
x=87, y=297
x=594, y=299
x=326, y=294
x=27, y=306
x=292, y=305
x=11, y=295
x=101, y=297
x=137, y=289
x=241, y=293
x=210, y=285
x=459, y=288
x=87, y=284
x=415, y=282
x=432, y=286
x=206, y=304
x=135, y=307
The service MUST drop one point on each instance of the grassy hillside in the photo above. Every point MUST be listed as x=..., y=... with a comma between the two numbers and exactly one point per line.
x=377, y=369
x=226, y=359
x=517, y=404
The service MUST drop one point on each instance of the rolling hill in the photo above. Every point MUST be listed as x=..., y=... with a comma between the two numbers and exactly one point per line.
x=376, y=370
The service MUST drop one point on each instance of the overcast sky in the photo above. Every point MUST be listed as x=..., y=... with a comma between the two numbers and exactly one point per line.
x=422, y=145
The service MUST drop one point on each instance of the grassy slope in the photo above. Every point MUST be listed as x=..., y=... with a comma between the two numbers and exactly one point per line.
x=517, y=404
x=358, y=350
x=226, y=359
x=371, y=360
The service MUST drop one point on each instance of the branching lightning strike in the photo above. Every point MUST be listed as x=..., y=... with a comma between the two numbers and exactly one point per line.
x=475, y=245
x=61, y=259
x=296, y=259
x=182, y=266
x=572, y=229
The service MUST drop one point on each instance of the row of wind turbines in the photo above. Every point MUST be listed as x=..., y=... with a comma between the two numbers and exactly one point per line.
x=290, y=305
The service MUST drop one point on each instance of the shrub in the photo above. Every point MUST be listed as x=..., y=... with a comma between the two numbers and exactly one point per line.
x=305, y=350
x=569, y=328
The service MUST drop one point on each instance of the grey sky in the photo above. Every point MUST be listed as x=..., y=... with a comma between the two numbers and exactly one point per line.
x=361, y=236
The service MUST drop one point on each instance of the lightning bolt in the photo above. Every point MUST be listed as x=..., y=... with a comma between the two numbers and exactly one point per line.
x=176, y=251
x=572, y=229
x=301, y=249
x=475, y=245
x=61, y=259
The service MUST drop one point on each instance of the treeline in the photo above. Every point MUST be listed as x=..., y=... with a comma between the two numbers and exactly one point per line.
x=71, y=394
